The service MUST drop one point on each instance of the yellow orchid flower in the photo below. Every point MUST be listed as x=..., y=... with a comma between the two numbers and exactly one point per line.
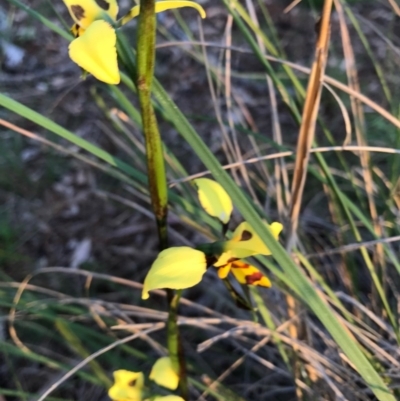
x=96, y=53
x=249, y=275
x=214, y=199
x=245, y=241
x=127, y=386
x=175, y=268
x=85, y=12
x=243, y=272
x=183, y=267
x=94, y=48
x=164, y=374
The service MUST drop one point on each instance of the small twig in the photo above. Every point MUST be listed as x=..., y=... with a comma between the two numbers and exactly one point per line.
x=54, y=386
x=324, y=149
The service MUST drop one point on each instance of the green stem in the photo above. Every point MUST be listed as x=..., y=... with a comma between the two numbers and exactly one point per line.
x=154, y=150
x=174, y=342
x=156, y=171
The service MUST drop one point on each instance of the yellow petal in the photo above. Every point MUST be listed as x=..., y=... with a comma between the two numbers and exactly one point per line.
x=96, y=53
x=161, y=6
x=176, y=268
x=223, y=271
x=84, y=12
x=164, y=374
x=224, y=259
x=128, y=386
x=248, y=274
x=169, y=5
x=246, y=242
x=214, y=199
x=223, y=264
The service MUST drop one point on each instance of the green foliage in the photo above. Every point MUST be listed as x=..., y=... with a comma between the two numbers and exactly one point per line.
x=331, y=321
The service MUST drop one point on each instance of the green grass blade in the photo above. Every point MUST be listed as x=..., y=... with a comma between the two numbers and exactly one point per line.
x=45, y=21
x=291, y=270
x=46, y=123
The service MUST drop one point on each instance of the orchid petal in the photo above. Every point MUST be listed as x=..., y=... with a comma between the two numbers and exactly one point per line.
x=95, y=51
x=214, y=199
x=223, y=271
x=246, y=242
x=161, y=6
x=85, y=12
x=248, y=274
x=164, y=374
x=176, y=268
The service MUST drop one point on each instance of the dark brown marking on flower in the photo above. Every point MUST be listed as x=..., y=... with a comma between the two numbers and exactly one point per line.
x=231, y=260
x=103, y=4
x=246, y=235
x=240, y=266
x=253, y=278
x=78, y=11
x=132, y=383
x=75, y=30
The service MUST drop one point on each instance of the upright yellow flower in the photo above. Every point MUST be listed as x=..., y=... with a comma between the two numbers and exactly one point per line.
x=184, y=267
x=94, y=48
x=242, y=271
x=244, y=243
x=127, y=387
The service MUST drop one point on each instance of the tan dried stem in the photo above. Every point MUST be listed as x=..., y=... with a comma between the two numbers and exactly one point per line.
x=309, y=117
x=305, y=140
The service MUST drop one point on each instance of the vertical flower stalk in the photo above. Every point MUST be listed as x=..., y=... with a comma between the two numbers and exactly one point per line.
x=154, y=151
x=156, y=170
x=174, y=342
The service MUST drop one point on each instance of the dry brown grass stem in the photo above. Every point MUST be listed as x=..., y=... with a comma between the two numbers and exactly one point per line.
x=287, y=153
x=395, y=6
x=359, y=126
x=291, y=6
x=213, y=385
x=308, y=122
x=325, y=78
x=353, y=247
x=227, y=144
x=281, y=172
x=345, y=114
x=123, y=282
x=154, y=327
x=328, y=369
x=304, y=144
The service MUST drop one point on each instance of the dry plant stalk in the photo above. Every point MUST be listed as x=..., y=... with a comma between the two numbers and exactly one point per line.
x=304, y=143
x=395, y=7
x=359, y=126
x=310, y=111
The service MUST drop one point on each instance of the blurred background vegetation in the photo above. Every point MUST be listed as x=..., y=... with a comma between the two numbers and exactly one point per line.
x=82, y=235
